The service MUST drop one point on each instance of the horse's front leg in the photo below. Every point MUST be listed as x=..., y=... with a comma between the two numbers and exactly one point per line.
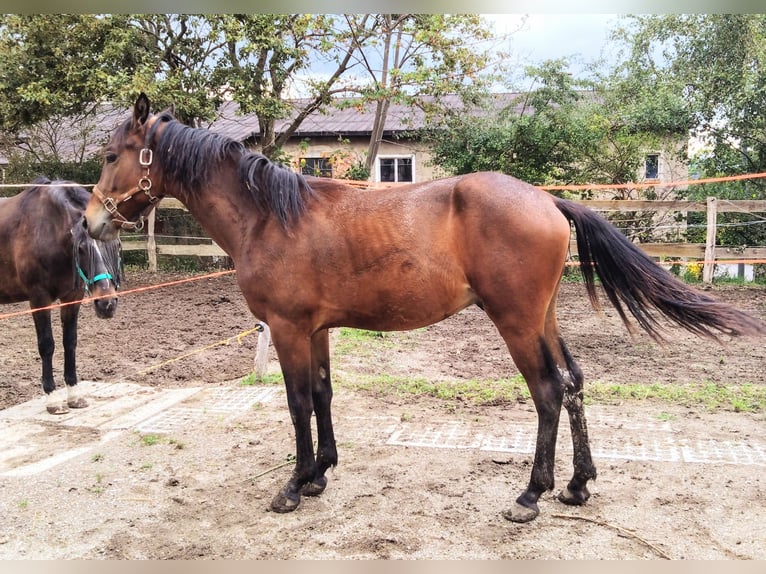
x=69, y=314
x=294, y=351
x=45, y=348
x=321, y=391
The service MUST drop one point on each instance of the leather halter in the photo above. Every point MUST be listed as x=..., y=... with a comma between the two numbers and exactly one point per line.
x=145, y=158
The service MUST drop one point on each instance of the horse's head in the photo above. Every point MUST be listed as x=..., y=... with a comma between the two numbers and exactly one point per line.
x=127, y=189
x=97, y=265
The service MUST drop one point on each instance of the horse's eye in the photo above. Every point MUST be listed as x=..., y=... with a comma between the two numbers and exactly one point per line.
x=110, y=157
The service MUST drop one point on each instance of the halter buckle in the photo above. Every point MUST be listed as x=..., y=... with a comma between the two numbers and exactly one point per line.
x=145, y=157
x=109, y=204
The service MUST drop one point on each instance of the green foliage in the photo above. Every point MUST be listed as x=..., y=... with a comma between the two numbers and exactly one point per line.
x=358, y=171
x=57, y=64
x=716, y=65
x=25, y=169
x=560, y=130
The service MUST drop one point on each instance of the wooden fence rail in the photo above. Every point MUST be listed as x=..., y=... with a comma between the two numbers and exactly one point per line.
x=708, y=252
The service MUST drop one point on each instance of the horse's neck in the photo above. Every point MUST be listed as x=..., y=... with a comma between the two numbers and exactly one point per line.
x=223, y=212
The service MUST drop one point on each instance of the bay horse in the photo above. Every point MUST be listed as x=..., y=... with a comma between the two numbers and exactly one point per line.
x=312, y=254
x=46, y=255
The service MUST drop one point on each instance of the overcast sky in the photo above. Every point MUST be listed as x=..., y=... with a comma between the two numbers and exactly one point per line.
x=550, y=36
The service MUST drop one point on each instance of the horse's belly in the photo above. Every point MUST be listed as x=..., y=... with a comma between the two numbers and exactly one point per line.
x=406, y=309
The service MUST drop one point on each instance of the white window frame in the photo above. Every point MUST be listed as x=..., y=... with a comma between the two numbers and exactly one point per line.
x=410, y=157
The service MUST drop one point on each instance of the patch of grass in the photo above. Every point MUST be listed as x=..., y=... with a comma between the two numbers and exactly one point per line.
x=711, y=396
x=251, y=379
x=150, y=439
x=23, y=504
x=98, y=457
x=177, y=443
x=484, y=392
x=362, y=342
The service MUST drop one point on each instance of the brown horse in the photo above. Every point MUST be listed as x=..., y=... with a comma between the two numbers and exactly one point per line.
x=313, y=253
x=47, y=255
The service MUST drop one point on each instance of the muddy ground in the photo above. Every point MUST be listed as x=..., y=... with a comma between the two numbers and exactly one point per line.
x=203, y=491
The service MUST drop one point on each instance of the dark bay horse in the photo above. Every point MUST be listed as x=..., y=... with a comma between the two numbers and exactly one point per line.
x=46, y=255
x=312, y=254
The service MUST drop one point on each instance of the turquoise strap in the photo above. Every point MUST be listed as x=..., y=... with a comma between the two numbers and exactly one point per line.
x=96, y=278
x=101, y=276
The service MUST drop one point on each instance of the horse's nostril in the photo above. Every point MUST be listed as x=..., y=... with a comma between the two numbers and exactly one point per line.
x=85, y=223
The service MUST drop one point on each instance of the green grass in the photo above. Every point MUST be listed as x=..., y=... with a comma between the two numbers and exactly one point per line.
x=150, y=439
x=477, y=392
x=268, y=379
x=711, y=396
x=361, y=342
x=745, y=397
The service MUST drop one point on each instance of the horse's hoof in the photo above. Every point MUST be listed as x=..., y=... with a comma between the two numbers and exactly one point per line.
x=78, y=403
x=283, y=503
x=576, y=498
x=57, y=409
x=316, y=487
x=521, y=514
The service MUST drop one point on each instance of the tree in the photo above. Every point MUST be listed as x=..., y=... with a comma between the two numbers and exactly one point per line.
x=715, y=64
x=265, y=54
x=57, y=65
x=539, y=136
x=416, y=59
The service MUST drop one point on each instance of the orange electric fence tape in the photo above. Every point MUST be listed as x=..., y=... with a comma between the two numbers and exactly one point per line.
x=654, y=183
x=121, y=293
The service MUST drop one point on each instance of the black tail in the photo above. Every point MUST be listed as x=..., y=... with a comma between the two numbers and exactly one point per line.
x=631, y=278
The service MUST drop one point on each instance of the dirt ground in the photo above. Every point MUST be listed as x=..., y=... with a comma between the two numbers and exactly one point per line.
x=203, y=491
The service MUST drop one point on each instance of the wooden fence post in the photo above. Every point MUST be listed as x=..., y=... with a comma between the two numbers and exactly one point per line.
x=262, y=351
x=151, y=243
x=709, y=265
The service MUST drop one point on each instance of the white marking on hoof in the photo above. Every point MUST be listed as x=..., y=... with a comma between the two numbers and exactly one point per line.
x=55, y=404
x=75, y=400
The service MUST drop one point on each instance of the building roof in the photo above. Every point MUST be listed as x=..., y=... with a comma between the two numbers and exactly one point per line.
x=352, y=119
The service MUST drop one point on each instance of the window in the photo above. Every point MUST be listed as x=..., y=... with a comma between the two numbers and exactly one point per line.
x=318, y=166
x=395, y=169
x=653, y=166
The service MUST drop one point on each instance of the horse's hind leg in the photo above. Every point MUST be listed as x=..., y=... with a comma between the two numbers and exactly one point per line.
x=321, y=392
x=553, y=379
x=69, y=315
x=533, y=357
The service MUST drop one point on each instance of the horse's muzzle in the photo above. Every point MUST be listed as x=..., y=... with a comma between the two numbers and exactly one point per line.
x=99, y=223
x=106, y=308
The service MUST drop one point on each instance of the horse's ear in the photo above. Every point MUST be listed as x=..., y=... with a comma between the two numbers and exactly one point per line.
x=141, y=110
x=171, y=109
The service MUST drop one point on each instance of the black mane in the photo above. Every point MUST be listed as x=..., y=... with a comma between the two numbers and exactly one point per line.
x=190, y=156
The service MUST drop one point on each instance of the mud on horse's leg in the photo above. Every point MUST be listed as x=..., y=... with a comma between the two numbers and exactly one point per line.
x=321, y=390
x=546, y=387
x=576, y=492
